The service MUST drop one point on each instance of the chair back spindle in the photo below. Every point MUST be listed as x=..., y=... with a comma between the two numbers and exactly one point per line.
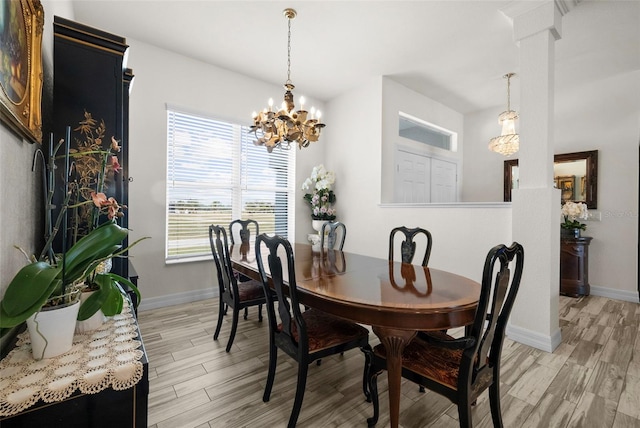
x=220, y=252
x=499, y=290
x=408, y=246
x=336, y=230
x=242, y=228
x=244, y=231
x=289, y=312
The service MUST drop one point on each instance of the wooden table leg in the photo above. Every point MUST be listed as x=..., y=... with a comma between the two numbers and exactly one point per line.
x=394, y=341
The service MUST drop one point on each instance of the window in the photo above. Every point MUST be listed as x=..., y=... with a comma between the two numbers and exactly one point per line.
x=425, y=133
x=216, y=174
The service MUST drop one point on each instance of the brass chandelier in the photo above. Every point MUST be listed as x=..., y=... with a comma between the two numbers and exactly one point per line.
x=508, y=142
x=281, y=128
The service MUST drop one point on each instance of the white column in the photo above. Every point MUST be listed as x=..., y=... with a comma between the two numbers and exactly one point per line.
x=536, y=204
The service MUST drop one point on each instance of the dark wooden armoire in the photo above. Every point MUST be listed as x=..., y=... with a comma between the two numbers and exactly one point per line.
x=90, y=77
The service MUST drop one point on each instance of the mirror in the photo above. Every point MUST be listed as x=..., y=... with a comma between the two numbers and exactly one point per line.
x=576, y=174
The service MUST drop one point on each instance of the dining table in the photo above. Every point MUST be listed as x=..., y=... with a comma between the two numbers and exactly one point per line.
x=396, y=299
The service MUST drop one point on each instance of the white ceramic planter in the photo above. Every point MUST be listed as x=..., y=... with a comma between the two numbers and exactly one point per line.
x=314, y=240
x=317, y=224
x=94, y=321
x=52, y=330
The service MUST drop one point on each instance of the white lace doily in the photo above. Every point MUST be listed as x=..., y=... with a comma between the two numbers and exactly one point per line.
x=107, y=357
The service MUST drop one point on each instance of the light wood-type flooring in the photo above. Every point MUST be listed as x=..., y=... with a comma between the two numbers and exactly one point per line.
x=591, y=380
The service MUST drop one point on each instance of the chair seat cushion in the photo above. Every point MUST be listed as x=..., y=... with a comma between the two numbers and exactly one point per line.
x=429, y=360
x=326, y=331
x=250, y=290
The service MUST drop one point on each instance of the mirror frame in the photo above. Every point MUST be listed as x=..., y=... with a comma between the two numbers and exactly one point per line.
x=591, y=176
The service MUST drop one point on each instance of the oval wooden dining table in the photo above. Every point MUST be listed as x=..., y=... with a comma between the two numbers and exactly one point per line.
x=395, y=299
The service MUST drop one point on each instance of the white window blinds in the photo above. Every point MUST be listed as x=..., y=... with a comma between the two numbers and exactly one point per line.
x=215, y=174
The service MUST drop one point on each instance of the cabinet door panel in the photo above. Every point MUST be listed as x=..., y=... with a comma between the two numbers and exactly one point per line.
x=89, y=79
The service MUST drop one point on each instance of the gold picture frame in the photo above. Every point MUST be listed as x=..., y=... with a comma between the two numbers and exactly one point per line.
x=566, y=184
x=21, y=26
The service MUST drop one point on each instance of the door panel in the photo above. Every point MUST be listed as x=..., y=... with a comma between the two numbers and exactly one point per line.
x=413, y=174
x=443, y=181
x=423, y=179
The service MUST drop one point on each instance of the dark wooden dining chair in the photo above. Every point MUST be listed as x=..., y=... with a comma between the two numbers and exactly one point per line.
x=304, y=336
x=408, y=246
x=336, y=230
x=461, y=369
x=244, y=229
x=232, y=293
x=408, y=249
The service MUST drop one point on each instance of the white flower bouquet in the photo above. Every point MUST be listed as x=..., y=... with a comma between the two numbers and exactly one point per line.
x=321, y=198
x=572, y=211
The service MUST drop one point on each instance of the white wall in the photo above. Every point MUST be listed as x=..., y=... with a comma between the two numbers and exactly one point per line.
x=355, y=154
x=21, y=210
x=163, y=77
x=397, y=98
x=603, y=117
x=483, y=169
x=20, y=189
x=20, y=192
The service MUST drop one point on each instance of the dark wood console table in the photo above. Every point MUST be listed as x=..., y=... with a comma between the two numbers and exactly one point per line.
x=574, y=266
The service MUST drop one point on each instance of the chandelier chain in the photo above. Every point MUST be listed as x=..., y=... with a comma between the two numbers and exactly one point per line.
x=508, y=76
x=289, y=52
x=508, y=92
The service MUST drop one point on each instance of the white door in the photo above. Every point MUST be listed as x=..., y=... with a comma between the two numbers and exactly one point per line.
x=443, y=181
x=413, y=175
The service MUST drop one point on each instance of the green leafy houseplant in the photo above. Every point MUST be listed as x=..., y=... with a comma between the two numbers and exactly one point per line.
x=108, y=295
x=40, y=282
x=56, y=280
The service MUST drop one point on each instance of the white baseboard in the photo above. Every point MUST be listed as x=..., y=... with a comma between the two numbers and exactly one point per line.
x=611, y=293
x=534, y=339
x=549, y=343
x=176, y=299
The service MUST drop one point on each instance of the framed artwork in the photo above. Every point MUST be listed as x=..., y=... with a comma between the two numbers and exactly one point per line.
x=567, y=185
x=21, y=25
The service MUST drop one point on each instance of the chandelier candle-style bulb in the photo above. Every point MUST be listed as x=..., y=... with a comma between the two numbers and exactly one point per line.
x=508, y=142
x=280, y=129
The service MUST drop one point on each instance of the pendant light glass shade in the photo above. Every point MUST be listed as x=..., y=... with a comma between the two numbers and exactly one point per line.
x=508, y=142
